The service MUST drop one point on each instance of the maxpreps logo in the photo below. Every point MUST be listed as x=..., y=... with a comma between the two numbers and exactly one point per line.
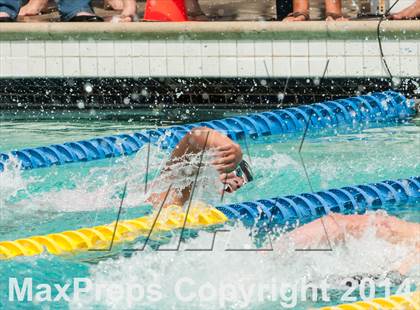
x=25, y=291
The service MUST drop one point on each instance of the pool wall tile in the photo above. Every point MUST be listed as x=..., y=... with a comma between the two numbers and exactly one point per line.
x=88, y=48
x=263, y=66
x=318, y=48
x=336, y=66
x=299, y=48
x=141, y=66
x=106, y=66
x=263, y=48
x=246, y=66
x=408, y=48
x=4, y=49
x=5, y=67
x=54, y=66
x=299, y=66
x=192, y=49
x=157, y=49
x=210, y=48
x=123, y=48
x=38, y=65
x=335, y=48
x=245, y=49
x=281, y=48
x=410, y=66
x=140, y=48
x=19, y=66
x=105, y=48
x=353, y=48
x=158, y=66
x=228, y=67
x=354, y=66
x=211, y=66
x=371, y=48
x=71, y=48
x=123, y=67
x=175, y=66
x=281, y=66
x=394, y=65
x=193, y=66
x=19, y=49
x=372, y=66
x=88, y=66
x=208, y=58
x=54, y=48
x=391, y=48
x=175, y=48
x=227, y=48
x=317, y=65
x=71, y=66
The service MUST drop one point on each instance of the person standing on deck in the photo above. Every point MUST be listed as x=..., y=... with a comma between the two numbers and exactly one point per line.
x=70, y=10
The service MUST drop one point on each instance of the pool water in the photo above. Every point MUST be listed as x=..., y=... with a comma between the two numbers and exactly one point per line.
x=79, y=195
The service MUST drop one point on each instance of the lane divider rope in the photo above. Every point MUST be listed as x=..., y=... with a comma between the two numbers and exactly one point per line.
x=276, y=211
x=308, y=206
x=100, y=237
x=355, y=111
x=404, y=302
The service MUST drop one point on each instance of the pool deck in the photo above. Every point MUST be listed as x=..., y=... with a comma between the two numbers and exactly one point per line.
x=235, y=30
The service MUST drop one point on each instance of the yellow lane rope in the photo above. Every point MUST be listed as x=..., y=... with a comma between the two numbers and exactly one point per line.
x=100, y=237
x=403, y=302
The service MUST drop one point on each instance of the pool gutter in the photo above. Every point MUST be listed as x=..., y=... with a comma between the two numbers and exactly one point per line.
x=313, y=30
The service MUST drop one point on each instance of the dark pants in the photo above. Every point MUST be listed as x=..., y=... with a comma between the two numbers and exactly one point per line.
x=67, y=8
x=283, y=8
x=10, y=7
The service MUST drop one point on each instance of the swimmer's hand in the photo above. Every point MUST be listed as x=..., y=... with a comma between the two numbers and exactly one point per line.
x=228, y=157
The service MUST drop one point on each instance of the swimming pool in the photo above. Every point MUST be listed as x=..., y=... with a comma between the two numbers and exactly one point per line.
x=77, y=195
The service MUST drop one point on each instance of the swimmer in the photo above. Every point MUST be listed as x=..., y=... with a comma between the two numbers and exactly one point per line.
x=234, y=172
x=339, y=226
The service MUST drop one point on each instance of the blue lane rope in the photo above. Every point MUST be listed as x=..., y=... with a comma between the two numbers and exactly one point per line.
x=309, y=206
x=377, y=107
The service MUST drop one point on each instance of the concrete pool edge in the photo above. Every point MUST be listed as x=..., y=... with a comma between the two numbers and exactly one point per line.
x=251, y=30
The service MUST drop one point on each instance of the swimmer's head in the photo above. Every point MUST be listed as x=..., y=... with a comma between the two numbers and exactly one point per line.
x=239, y=177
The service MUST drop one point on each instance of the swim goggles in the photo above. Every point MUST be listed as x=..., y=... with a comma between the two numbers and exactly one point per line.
x=244, y=171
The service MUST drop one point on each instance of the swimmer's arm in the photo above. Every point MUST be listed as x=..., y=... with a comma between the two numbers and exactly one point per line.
x=228, y=156
x=228, y=153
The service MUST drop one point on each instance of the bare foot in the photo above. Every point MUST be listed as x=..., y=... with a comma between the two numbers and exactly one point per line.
x=116, y=5
x=335, y=16
x=300, y=18
x=338, y=19
x=4, y=14
x=33, y=7
x=410, y=12
x=297, y=17
x=128, y=14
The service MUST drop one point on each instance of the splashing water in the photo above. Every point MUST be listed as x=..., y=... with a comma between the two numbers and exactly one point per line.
x=73, y=196
x=230, y=279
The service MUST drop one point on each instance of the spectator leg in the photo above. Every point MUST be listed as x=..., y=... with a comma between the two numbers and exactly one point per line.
x=10, y=7
x=70, y=8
